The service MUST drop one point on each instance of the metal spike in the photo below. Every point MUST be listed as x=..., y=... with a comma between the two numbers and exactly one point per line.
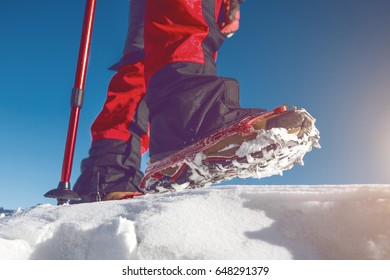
x=258, y=172
x=249, y=158
x=300, y=161
x=316, y=144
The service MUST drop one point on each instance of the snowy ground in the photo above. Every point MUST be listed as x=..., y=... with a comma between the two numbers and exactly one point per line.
x=235, y=222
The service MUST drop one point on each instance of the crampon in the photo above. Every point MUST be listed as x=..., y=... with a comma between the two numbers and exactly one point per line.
x=257, y=146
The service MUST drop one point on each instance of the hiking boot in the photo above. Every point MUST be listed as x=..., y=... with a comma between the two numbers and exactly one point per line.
x=259, y=145
x=112, y=166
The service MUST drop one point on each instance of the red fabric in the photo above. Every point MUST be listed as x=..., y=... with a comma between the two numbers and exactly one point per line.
x=125, y=91
x=174, y=32
x=218, y=5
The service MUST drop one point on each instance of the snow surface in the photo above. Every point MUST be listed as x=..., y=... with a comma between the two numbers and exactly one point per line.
x=230, y=222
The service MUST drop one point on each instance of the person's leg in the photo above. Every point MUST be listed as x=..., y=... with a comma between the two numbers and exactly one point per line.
x=186, y=98
x=120, y=132
x=197, y=126
x=114, y=158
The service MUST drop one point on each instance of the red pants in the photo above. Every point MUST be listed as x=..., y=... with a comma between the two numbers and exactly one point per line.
x=174, y=50
x=125, y=93
x=176, y=31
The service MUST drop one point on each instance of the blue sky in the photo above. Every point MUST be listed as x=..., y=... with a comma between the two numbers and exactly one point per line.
x=330, y=57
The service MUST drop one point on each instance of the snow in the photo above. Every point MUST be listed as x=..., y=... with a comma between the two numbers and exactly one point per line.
x=229, y=222
x=289, y=149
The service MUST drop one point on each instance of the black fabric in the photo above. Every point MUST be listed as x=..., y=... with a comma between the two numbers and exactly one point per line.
x=134, y=45
x=140, y=123
x=185, y=108
x=187, y=101
x=112, y=165
x=215, y=38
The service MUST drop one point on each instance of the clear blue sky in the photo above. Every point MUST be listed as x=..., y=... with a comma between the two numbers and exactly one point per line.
x=331, y=57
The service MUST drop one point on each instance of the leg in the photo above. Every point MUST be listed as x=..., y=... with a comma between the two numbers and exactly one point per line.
x=187, y=101
x=197, y=125
x=119, y=133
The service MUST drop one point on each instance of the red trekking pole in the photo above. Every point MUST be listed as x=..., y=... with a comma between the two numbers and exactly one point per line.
x=63, y=192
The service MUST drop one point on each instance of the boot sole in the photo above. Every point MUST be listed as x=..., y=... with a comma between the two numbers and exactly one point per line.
x=270, y=150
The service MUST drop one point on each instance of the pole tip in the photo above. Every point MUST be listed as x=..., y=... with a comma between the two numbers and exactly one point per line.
x=63, y=193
